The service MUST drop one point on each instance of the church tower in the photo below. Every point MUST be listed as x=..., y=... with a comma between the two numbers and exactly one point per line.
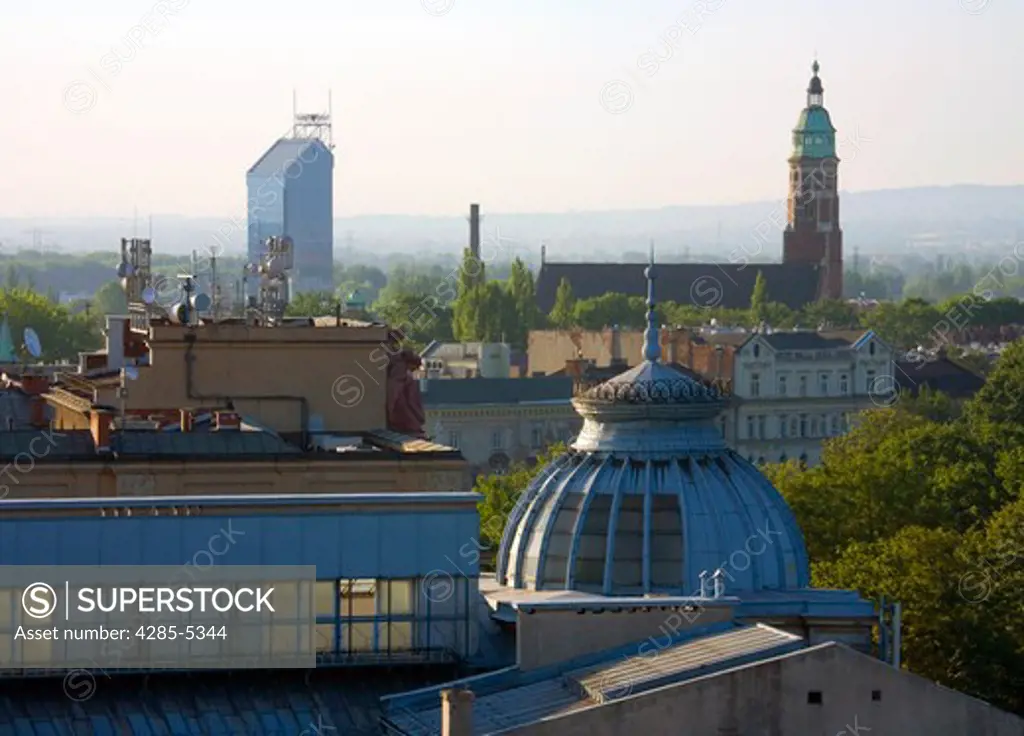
x=812, y=232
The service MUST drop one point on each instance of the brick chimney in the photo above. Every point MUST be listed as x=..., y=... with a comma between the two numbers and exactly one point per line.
x=99, y=423
x=457, y=712
x=34, y=386
x=187, y=417
x=227, y=421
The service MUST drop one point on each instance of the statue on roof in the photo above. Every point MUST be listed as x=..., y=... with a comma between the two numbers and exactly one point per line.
x=405, y=412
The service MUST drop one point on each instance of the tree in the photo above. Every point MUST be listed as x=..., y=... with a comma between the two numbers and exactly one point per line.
x=563, y=313
x=110, y=299
x=612, y=309
x=61, y=334
x=524, y=298
x=313, y=304
x=759, y=299
x=1001, y=399
x=420, y=318
x=501, y=492
x=833, y=313
x=905, y=325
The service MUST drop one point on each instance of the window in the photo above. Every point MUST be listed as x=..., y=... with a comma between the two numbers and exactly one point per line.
x=794, y=430
x=814, y=697
x=762, y=421
x=755, y=384
x=498, y=440
x=869, y=382
x=536, y=438
x=454, y=440
x=782, y=385
x=721, y=426
x=823, y=384
x=803, y=385
x=835, y=425
x=844, y=384
x=750, y=427
x=803, y=425
x=871, y=348
x=757, y=351
x=783, y=427
x=814, y=426
x=876, y=695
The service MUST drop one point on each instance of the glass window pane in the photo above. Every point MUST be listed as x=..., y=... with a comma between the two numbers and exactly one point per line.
x=358, y=598
x=401, y=598
x=359, y=637
x=325, y=637
x=398, y=635
x=326, y=595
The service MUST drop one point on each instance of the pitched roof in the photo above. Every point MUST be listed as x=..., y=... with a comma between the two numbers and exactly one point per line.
x=446, y=391
x=286, y=152
x=728, y=285
x=941, y=374
x=804, y=340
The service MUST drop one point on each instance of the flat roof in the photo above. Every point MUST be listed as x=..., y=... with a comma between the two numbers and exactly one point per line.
x=281, y=499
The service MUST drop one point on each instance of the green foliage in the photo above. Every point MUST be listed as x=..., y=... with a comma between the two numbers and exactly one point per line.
x=63, y=335
x=313, y=304
x=628, y=312
x=563, y=313
x=904, y=325
x=1001, y=399
x=421, y=318
x=523, y=292
x=110, y=299
x=500, y=493
x=759, y=299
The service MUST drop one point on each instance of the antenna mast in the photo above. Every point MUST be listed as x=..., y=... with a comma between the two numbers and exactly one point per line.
x=315, y=125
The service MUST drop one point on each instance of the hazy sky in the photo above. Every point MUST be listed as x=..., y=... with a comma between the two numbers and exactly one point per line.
x=442, y=102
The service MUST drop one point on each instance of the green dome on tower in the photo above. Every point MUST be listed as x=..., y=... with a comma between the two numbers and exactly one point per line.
x=814, y=135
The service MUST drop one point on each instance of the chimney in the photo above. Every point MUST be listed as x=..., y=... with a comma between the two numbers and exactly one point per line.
x=37, y=412
x=116, y=332
x=187, y=417
x=99, y=424
x=227, y=421
x=474, y=230
x=457, y=712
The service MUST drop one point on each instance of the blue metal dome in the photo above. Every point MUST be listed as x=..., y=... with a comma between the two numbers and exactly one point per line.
x=649, y=499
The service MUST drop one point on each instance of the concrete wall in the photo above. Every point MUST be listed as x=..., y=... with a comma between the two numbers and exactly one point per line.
x=547, y=637
x=772, y=698
x=341, y=371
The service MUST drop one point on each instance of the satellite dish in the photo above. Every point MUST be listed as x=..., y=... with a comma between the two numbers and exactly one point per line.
x=131, y=372
x=149, y=295
x=32, y=344
x=201, y=302
x=125, y=269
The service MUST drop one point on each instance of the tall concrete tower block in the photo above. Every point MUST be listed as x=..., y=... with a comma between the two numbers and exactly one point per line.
x=812, y=232
x=291, y=193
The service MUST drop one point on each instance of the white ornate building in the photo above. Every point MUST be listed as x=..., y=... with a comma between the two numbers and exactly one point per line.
x=793, y=390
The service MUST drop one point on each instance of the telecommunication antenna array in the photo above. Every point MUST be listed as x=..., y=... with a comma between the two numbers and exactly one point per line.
x=272, y=273
x=136, y=276
x=315, y=125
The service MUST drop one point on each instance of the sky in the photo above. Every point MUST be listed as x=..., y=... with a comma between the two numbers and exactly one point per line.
x=521, y=105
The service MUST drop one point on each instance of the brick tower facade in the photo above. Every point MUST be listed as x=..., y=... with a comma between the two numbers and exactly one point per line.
x=812, y=232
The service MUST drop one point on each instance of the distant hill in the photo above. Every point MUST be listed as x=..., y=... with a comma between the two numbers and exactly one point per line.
x=881, y=221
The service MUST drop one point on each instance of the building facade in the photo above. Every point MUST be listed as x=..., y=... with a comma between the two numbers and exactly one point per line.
x=794, y=390
x=291, y=193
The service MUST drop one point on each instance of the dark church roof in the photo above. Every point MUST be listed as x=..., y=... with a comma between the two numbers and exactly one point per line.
x=726, y=285
x=940, y=374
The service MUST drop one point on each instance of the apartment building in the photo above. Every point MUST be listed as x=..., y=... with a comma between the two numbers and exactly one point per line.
x=794, y=390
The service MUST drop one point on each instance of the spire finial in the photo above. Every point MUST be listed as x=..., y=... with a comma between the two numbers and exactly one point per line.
x=815, y=67
x=652, y=345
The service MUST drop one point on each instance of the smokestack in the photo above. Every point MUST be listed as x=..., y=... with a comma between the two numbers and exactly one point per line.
x=474, y=230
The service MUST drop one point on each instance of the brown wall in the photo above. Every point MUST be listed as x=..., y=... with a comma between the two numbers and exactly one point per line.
x=340, y=371
x=548, y=637
x=773, y=698
x=194, y=478
x=550, y=349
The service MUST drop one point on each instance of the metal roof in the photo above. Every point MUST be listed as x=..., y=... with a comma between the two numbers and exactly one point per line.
x=268, y=499
x=657, y=667
x=445, y=391
x=727, y=285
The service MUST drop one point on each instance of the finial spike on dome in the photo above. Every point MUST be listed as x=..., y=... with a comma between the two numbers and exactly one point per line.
x=652, y=346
